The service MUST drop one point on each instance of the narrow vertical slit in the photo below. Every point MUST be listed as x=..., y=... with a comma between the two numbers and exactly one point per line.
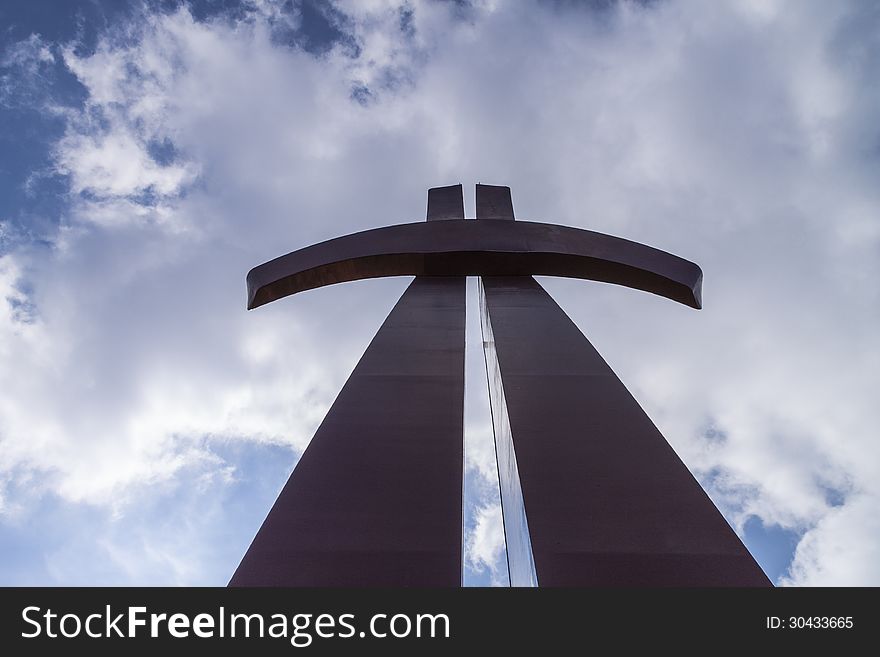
x=520, y=559
x=481, y=488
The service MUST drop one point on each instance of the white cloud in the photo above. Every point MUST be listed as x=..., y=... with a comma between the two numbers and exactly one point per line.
x=27, y=58
x=741, y=137
x=842, y=548
x=29, y=53
x=484, y=548
x=117, y=164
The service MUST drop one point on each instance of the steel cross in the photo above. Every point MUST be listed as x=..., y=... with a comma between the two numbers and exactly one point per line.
x=592, y=494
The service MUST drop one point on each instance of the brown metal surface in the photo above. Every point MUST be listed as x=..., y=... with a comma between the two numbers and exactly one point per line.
x=445, y=203
x=477, y=248
x=592, y=493
x=608, y=501
x=600, y=497
x=376, y=498
x=494, y=202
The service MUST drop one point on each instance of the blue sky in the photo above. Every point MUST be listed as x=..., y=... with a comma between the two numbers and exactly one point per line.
x=151, y=153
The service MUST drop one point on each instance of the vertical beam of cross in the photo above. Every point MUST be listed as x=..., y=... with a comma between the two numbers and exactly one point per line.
x=376, y=498
x=604, y=499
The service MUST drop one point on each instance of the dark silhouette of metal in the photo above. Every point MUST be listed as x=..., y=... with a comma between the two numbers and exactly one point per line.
x=376, y=497
x=477, y=248
x=592, y=493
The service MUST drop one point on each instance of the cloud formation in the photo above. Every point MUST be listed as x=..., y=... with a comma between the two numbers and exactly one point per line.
x=740, y=136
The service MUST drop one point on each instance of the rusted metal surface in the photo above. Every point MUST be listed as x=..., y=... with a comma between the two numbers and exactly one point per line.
x=445, y=203
x=607, y=500
x=477, y=248
x=494, y=202
x=376, y=498
x=595, y=494
x=592, y=493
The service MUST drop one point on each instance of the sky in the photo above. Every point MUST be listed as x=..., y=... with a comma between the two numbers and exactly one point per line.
x=152, y=153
